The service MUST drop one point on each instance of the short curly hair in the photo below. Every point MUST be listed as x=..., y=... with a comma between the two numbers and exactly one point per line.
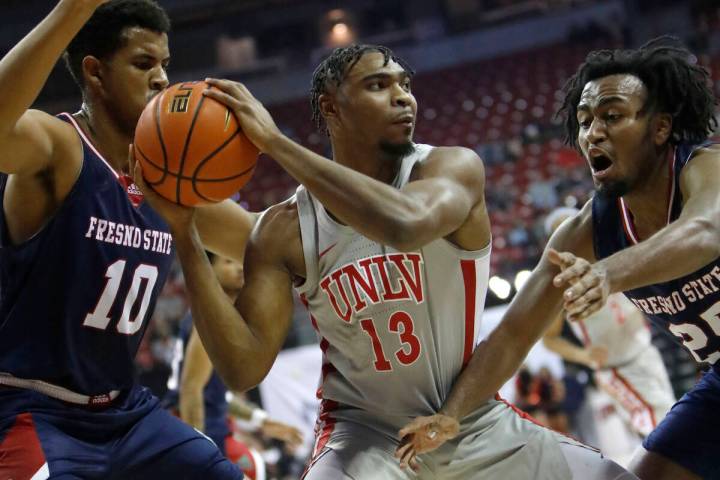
x=335, y=68
x=675, y=85
x=102, y=35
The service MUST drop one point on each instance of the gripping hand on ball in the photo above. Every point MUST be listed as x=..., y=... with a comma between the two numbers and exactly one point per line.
x=177, y=216
x=256, y=122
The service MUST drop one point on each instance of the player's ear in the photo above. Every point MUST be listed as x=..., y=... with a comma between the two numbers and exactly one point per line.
x=327, y=108
x=92, y=72
x=662, y=128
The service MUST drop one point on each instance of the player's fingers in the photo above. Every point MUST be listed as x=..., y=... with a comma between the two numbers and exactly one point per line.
x=403, y=448
x=224, y=98
x=592, y=294
x=581, y=287
x=582, y=314
x=413, y=427
x=572, y=273
x=561, y=259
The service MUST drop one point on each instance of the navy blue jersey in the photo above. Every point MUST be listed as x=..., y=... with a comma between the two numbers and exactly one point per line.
x=214, y=394
x=75, y=298
x=688, y=307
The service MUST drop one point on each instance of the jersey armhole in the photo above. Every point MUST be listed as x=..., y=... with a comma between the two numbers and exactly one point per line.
x=308, y=238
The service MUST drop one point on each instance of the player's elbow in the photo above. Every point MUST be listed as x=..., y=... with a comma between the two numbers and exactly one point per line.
x=407, y=234
x=707, y=232
x=245, y=376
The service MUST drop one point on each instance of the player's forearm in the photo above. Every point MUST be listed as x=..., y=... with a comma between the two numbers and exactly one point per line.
x=494, y=361
x=26, y=68
x=535, y=307
x=229, y=342
x=568, y=351
x=192, y=408
x=378, y=211
x=675, y=251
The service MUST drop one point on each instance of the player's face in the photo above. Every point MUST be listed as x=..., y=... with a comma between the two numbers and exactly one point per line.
x=614, y=134
x=134, y=74
x=375, y=103
x=229, y=273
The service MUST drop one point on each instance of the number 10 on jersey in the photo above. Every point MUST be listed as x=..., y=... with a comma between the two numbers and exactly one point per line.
x=100, y=317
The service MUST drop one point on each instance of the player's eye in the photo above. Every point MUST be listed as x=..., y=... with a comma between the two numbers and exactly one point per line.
x=585, y=123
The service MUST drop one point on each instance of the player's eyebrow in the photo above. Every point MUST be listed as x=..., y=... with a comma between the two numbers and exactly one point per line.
x=584, y=106
x=385, y=75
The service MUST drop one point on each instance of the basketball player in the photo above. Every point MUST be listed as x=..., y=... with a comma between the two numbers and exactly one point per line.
x=83, y=258
x=641, y=119
x=388, y=244
x=198, y=393
x=617, y=346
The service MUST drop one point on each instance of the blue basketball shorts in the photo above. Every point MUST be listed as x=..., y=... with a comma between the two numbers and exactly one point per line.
x=690, y=433
x=41, y=437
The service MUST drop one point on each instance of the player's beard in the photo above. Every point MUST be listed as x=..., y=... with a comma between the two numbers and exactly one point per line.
x=613, y=189
x=397, y=150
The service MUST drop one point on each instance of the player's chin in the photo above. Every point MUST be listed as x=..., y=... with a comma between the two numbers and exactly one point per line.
x=398, y=147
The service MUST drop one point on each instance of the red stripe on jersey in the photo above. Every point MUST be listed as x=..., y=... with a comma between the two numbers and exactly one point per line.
x=21, y=455
x=632, y=390
x=585, y=334
x=469, y=279
x=323, y=430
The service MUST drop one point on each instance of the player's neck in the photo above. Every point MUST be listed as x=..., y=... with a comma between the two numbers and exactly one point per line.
x=648, y=201
x=106, y=135
x=371, y=161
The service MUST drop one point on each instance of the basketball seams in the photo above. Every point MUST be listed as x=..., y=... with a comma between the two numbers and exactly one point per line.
x=190, y=151
x=194, y=180
x=188, y=137
x=156, y=113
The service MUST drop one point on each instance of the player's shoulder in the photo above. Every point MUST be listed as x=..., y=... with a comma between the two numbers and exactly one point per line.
x=454, y=157
x=460, y=162
x=277, y=229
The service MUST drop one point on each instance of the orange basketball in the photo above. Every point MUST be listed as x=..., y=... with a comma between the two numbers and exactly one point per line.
x=191, y=147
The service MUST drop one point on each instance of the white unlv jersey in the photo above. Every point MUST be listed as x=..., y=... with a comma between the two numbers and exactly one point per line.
x=620, y=326
x=395, y=328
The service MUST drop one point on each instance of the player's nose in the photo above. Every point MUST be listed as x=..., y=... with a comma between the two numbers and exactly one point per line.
x=159, y=80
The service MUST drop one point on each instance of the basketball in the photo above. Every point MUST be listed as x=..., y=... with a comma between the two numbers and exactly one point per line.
x=191, y=147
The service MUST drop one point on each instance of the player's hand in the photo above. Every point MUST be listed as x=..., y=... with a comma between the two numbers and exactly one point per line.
x=256, y=122
x=283, y=432
x=85, y=4
x=178, y=217
x=589, y=287
x=424, y=434
x=597, y=356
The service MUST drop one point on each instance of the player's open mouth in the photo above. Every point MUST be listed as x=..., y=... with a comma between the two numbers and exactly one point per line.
x=600, y=164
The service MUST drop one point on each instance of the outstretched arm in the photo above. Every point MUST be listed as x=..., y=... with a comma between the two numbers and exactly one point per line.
x=497, y=358
x=449, y=184
x=35, y=138
x=682, y=247
x=593, y=357
x=196, y=373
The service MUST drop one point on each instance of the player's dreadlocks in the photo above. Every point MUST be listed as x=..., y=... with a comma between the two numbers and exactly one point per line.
x=675, y=85
x=335, y=68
